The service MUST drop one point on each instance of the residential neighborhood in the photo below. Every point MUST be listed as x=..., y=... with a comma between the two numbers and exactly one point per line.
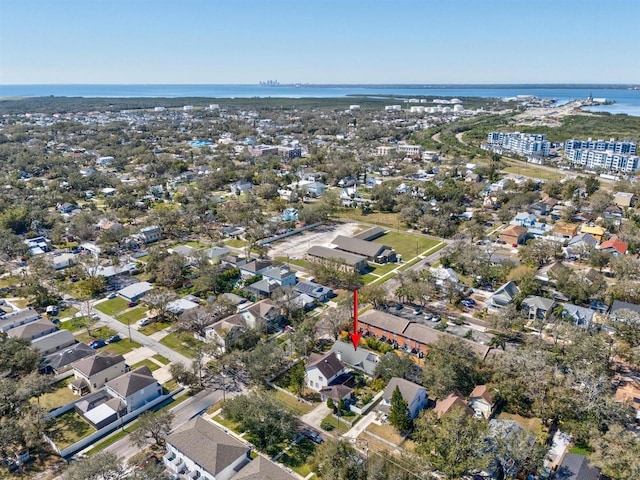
x=177, y=290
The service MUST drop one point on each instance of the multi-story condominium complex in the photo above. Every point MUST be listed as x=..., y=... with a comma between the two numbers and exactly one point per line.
x=526, y=144
x=607, y=160
x=603, y=154
x=621, y=147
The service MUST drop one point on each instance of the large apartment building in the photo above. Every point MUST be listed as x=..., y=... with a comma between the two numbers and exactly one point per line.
x=612, y=155
x=525, y=144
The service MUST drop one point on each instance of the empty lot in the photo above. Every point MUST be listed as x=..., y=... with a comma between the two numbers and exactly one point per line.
x=297, y=245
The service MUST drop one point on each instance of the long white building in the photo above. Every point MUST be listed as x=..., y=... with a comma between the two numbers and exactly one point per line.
x=612, y=155
x=525, y=144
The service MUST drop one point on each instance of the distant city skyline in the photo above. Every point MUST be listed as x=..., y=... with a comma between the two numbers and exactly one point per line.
x=319, y=42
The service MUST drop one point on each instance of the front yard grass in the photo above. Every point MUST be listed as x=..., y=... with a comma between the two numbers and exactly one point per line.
x=339, y=426
x=295, y=406
x=67, y=312
x=112, y=306
x=96, y=333
x=154, y=327
x=234, y=243
x=69, y=428
x=73, y=325
x=161, y=359
x=388, y=220
x=296, y=457
x=234, y=426
x=118, y=348
x=146, y=363
x=123, y=346
x=385, y=431
x=9, y=281
x=58, y=397
x=407, y=245
x=183, y=343
x=297, y=261
x=133, y=315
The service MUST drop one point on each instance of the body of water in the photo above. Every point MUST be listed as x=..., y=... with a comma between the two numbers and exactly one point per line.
x=627, y=100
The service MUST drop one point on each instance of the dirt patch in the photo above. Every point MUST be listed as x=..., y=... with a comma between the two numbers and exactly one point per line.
x=296, y=246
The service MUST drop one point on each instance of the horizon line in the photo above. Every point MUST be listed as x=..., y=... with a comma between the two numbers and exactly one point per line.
x=420, y=84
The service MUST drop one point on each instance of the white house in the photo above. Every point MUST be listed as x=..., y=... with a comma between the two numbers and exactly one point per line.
x=135, y=388
x=321, y=370
x=412, y=393
x=94, y=372
x=204, y=451
x=482, y=402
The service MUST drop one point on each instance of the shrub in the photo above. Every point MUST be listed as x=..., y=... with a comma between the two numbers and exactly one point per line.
x=326, y=425
x=459, y=321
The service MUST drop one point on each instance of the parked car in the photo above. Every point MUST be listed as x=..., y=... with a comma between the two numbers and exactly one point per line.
x=114, y=339
x=132, y=304
x=417, y=311
x=97, y=344
x=144, y=321
x=111, y=295
x=435, y=318
x=314, y=436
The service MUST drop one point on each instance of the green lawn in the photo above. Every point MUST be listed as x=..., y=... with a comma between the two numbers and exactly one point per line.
x=73, y=325
x=368, y=278
x=228, y=423
x=414, y=261
x=232, y=242
x=291, y=403
x=339, y=427
x=161, y=359
x=183, y=343
x=196, y=244
x=9, y=281
x=407, y=245
x=123, y=346
x=133, y=315
x=67, y=312
x=96, y=333
x=296, y=457
x=146, y=362
x=154, y=327
x=58, y=397
x=379, y=218
x=67, y=429
x=298, y=262
x=112, y=306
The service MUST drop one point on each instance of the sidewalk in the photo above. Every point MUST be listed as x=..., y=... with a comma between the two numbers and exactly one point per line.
x=359, y=427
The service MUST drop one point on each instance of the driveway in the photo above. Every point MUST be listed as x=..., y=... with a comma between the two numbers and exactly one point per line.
x=315, y=416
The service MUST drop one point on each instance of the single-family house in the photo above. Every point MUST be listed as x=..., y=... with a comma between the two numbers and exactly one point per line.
x=254, y=267
x=576, y=467
x=614, y=246
x=538, y=307
x=596, y=231
x=31, y=331
x=315, y=189
x=482, y=401
x=135, y=291
x=281, y=275
x=62, y=361
x=453, y=400
x=135, y=388
x=232, y=231
x=53, y=342
x=581, y=245
x=503, y=296
x=513, y=235
x=415, y=395
x=565, y=230
x=60, y=261
x=622, y=311
x=374, y=252
x=443, y=276
x=92, y=373
x=580, y=316
x=343, y=260
x=314, y=290
x=217, y=253
x=18, y=318
x=624, y=199
x=263, y=288
x=151, y=234
x=360, y=359
x=240, y=186
x=201, y=450
x=539, y=209
x=322, y=370
x=262, y=468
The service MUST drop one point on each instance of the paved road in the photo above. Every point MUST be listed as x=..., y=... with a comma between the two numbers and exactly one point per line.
x=141, y=338
x=183, y=412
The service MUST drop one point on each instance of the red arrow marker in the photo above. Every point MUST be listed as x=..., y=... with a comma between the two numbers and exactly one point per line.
x=355, y=336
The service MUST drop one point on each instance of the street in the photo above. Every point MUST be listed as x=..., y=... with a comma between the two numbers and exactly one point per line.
x=183, y=412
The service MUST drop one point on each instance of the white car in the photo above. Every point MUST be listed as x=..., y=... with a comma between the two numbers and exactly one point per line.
x=143, y=322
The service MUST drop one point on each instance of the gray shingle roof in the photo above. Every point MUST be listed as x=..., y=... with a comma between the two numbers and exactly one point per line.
x=32, y=329
x=359, y=247
x=208, y=446
x=262, y=469
x=103, y=360
x=370, y=234
x=335, y=254
x=408, y=389
x=361, y=359
x=328, y=364
x=576, y=467
x=68, y=355
x=134, y=381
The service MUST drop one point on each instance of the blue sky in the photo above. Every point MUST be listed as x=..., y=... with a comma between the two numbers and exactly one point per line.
x=312, y=41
